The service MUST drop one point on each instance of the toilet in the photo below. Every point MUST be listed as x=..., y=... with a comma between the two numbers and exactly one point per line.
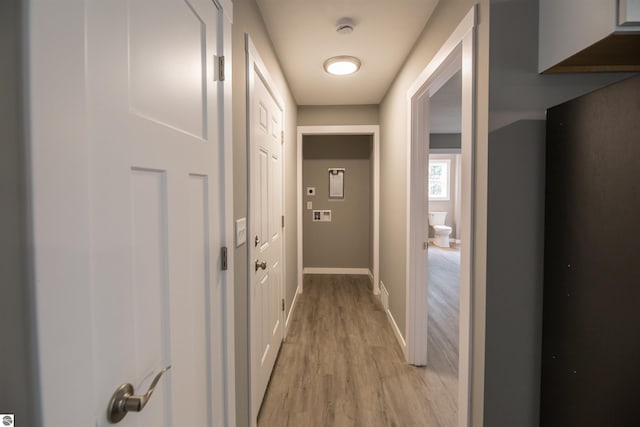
x=441, y=231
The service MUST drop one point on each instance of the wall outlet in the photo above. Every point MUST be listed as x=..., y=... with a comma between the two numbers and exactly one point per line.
x=322, y=216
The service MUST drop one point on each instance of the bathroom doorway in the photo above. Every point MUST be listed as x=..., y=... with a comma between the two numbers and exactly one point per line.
x=444, y=207
x=450, y=76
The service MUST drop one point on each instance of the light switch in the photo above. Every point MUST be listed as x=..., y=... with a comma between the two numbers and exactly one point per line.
x=309, y=205
x=241, y=231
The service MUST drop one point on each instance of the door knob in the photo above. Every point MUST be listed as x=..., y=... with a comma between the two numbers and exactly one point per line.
x=123, y=399
x=262, y=265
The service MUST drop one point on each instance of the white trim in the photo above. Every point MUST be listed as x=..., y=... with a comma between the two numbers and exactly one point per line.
x=373, y=130
x=299, y=196
x=228, y=235
x=467, y=24
x=255, y=67
x=227, y=11
x=337, y=270
x=458, y=52
x=376, y=211
x=397, y=333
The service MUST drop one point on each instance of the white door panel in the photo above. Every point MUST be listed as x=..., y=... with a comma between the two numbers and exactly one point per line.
x=154, y=98
x=267, y=316
x=155, y=215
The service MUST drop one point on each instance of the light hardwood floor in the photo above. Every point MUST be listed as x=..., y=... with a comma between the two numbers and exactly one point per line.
x=342, y=366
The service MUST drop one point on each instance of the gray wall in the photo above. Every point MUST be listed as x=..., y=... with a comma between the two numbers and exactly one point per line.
x=514, y=276
x=517, y=91
x=327, y=115
x=346, y=241
x=17, y=369
x=247, y=19
x=514, y=271
x=445, y=141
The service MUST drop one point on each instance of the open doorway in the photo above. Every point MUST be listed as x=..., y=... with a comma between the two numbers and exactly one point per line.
x=453, y=63
x=337, y=220
x=444, y=211
x=317, y=133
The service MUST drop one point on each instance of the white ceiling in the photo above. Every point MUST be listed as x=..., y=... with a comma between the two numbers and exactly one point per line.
x=304, y=36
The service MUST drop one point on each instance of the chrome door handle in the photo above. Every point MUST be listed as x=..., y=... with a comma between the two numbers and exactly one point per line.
x=262, y=265
x=123, y=399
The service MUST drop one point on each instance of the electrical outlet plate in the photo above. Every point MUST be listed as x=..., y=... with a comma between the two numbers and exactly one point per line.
x=321, y=216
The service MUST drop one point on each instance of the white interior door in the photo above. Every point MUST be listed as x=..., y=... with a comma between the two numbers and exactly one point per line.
x=265, y=225
x=154, y=223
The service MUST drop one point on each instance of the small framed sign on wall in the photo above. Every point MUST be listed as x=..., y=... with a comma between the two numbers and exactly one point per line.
x=336, y=183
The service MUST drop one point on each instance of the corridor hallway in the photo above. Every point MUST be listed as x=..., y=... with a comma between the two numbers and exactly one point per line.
x=341, y=365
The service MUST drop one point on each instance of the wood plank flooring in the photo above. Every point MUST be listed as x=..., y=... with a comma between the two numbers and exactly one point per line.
x=342, y=366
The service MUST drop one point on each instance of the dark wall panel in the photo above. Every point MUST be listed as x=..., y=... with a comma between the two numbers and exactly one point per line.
x=591, y=304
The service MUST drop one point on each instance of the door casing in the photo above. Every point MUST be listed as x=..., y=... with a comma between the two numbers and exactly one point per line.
x=459, y=48
x=374, y=131
x=254, y=61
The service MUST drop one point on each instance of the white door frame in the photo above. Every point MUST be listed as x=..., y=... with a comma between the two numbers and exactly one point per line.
x=374, y=131
x=460, y=46
x=228, y=235
x=57, y=231
x=255, y=65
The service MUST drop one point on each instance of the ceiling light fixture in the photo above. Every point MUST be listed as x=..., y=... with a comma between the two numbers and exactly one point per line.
x=342, y=65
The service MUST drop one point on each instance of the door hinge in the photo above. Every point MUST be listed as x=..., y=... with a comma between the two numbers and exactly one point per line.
x=282, y=221
x=223, y=258
x=425, y=245
x=282, y=304
x=220, y=65
x=282, y=137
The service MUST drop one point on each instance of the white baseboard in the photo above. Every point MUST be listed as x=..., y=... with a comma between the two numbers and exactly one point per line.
x=384, y=297
x=293, y=306
x=323, y=270
x=384, y=294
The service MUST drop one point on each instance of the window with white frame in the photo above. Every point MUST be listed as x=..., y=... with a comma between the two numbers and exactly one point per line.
x=439, y=179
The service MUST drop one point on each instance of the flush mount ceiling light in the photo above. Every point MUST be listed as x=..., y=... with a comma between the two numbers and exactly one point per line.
x=342, y=65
